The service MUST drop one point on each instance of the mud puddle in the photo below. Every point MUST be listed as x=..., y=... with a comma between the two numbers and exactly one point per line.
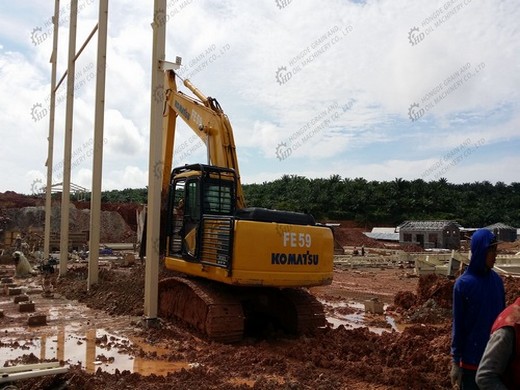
x=92, y=349
x=76, y=334
x=352, y=315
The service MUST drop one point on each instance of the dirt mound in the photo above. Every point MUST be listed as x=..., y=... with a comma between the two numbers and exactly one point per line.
x=405, y=299
x=112, y=225
x=24, y=212
x=512, y=286
x=118, y=292
x=430, y=304
x=355, y=237
x=10, y=199
x=347, y=234
x=127, y=210
x=436, y=287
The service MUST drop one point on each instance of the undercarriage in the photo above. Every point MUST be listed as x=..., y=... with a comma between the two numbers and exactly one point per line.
x=227, y=313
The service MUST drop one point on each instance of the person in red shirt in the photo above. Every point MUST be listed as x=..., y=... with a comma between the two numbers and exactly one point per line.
x=500, y=365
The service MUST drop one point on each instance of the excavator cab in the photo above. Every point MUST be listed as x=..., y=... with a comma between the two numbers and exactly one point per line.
x=200, y=195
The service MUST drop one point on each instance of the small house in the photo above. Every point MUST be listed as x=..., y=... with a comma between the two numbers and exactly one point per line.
x=430, y=234
x=503, y=232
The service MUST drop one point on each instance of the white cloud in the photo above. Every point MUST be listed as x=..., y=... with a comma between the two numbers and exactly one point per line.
x=129, y=177
x=340, y=53
x=122, y=136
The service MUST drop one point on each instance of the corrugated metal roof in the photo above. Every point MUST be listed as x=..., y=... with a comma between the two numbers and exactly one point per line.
x=383, y=230
x=499, y=225
x=383, y=236
x=427, y=225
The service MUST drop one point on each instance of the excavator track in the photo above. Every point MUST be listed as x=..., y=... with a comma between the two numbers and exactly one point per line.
x=293, y=310
x=202, y=305
x=309, y=314
x=223, y=313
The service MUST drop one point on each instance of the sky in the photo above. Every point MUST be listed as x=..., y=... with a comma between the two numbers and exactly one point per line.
x=361, y=89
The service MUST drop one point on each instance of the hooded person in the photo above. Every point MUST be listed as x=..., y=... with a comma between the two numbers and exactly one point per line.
x=478, y=299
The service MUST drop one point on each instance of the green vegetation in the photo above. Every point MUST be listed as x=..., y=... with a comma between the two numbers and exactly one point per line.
x=128, y=195
x=373, y=202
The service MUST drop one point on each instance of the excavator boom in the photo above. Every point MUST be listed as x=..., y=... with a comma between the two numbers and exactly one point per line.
x=208, y=121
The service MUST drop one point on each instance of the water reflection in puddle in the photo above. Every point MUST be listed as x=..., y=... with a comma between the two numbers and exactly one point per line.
x=93, y=349
x=356, y=317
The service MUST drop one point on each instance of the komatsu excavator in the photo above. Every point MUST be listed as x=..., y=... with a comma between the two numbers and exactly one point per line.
x=239, y=268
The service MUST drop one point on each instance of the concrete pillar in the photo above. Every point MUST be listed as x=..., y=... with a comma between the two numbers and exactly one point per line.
x=50, y=151
x=95, y=199
x=155, y=160
x=65, y=196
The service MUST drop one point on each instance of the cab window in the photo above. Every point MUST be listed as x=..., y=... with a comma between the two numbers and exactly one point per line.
x=218, y=198
x=192, y=207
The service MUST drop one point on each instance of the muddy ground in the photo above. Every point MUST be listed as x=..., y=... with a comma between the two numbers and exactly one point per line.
x=407, y=347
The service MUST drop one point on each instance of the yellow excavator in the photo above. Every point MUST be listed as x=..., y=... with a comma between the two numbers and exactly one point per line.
x=240, y=269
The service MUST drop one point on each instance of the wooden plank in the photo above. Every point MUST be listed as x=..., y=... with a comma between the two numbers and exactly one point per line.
x=29, y=367
x=32, y=374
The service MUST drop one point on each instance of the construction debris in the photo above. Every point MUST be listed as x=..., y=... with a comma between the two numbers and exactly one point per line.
x=19, y=372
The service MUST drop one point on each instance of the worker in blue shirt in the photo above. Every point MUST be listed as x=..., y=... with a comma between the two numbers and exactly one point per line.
x=478, y=299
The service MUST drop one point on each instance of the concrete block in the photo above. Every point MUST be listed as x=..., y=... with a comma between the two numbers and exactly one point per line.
x=374, y=306
x=128, y=259
x=21, y=298
x=14, y=290
x=26, y=307
x=37, y=320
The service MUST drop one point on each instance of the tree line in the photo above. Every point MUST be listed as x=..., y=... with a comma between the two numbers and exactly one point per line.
x=372, y=203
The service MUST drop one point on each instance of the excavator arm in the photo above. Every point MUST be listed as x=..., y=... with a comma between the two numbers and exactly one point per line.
x=209, y=122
